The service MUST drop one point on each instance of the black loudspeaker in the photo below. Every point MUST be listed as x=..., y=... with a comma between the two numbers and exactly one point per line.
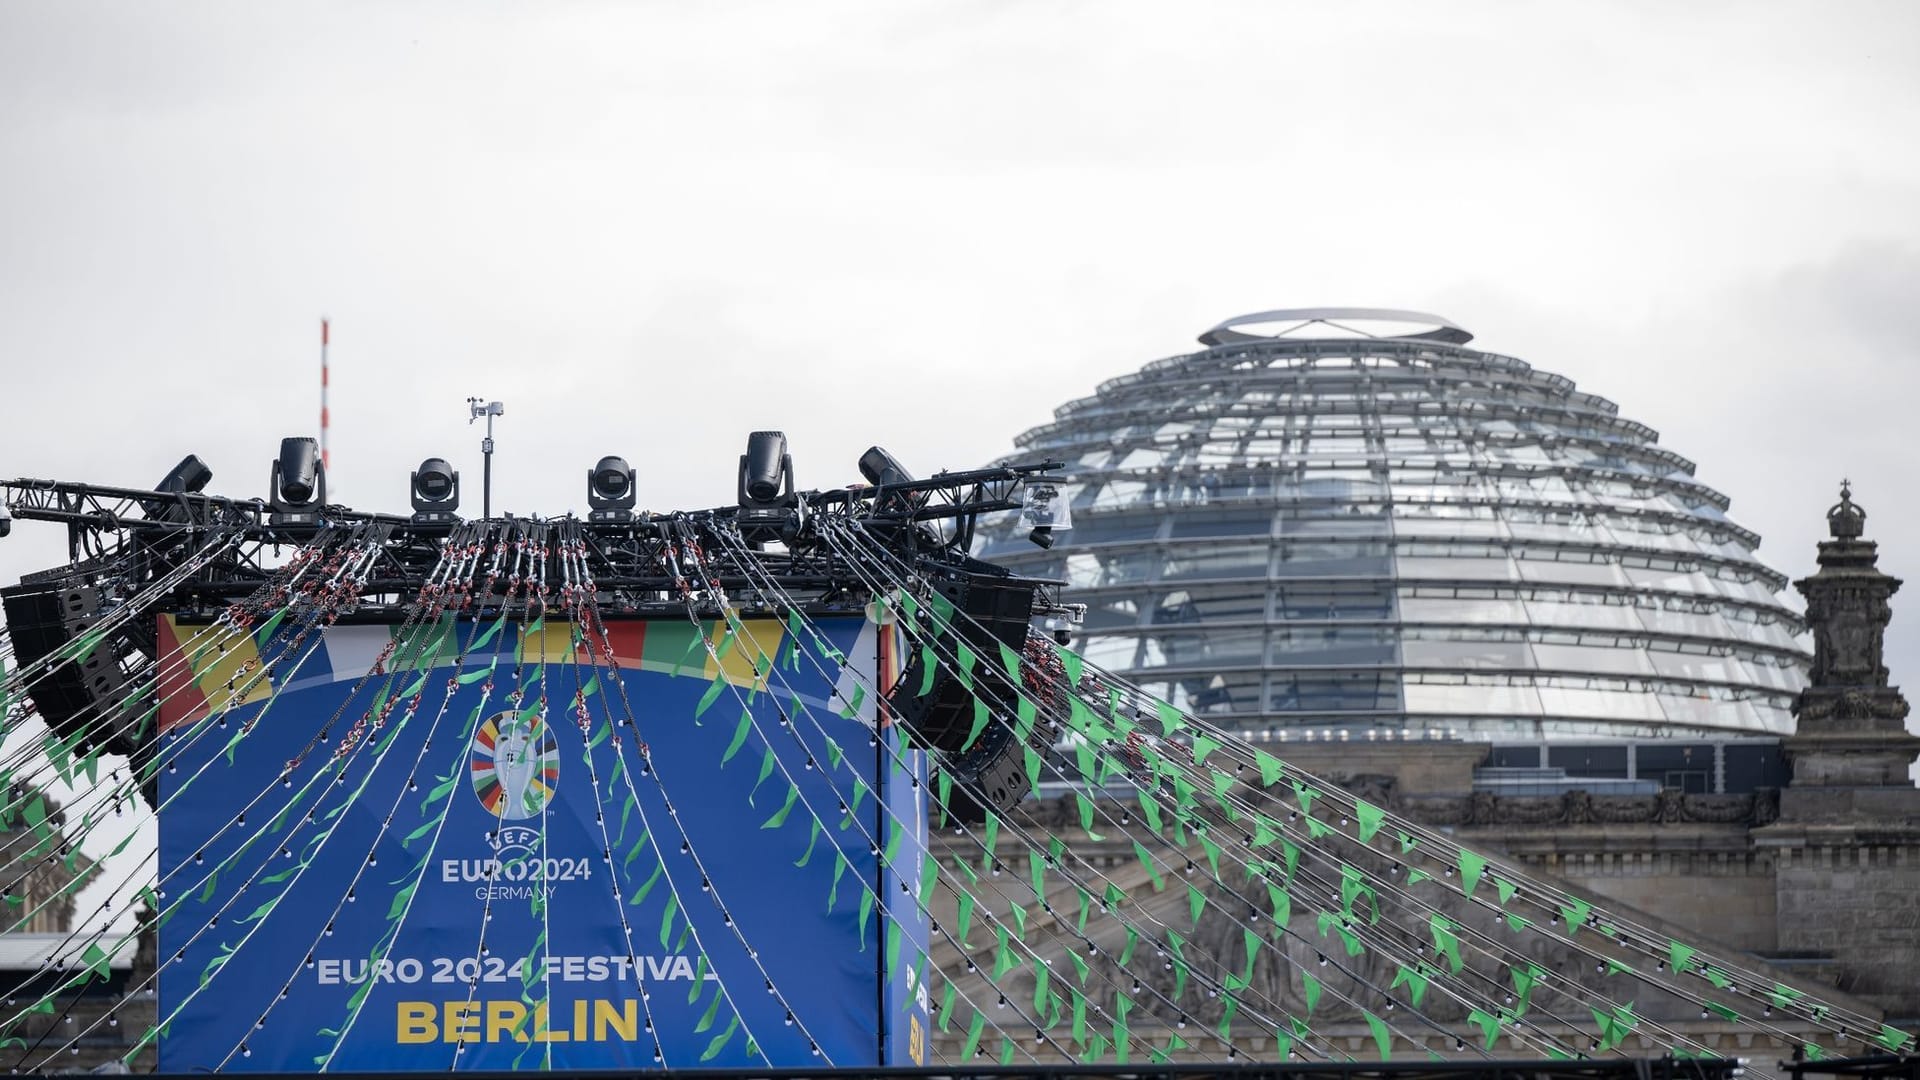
x=84, y=696
x=994, y=610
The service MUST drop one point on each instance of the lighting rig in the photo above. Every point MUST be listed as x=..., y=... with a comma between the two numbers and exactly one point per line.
x=771, y=552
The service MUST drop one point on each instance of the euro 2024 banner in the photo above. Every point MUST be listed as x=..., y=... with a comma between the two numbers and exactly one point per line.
x=443, y=847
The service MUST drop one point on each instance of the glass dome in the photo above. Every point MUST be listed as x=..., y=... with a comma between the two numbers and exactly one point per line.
x=1341, y=520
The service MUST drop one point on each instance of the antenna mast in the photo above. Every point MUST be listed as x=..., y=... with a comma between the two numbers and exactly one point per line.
x=326, y=459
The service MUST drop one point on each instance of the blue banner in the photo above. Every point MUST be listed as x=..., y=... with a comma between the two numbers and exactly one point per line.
x=512, y=855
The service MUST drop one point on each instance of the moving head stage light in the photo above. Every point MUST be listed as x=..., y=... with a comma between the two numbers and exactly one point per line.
x=298, y=483
x=610, y=491
x=191, y=476
x=769, y=510
x=84, y=633
x=436, y=493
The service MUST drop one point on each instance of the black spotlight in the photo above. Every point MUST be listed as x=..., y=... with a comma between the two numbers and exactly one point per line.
x=882, y=469
x=436, y=493
x=766, y=469
x=610, y=491
x=768, y=508
x=298, y=483
x=191, y=476
x=1041, y=536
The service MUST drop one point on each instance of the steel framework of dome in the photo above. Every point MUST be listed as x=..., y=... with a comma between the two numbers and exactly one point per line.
x=1331, y=527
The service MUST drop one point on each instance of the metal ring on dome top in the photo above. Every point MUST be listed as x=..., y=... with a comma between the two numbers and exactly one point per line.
x=1443, y=331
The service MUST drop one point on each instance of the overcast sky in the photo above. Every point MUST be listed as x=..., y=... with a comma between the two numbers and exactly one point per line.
x=650, y=229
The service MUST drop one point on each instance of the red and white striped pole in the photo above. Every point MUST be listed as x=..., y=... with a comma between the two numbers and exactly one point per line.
x=326, y=461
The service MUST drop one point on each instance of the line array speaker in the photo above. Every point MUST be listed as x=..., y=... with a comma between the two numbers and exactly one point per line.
x=85, y=696
x=995, y=609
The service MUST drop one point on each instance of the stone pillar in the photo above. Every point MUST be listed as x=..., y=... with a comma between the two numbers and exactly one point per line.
x=1846, y=850
x=1851, y=725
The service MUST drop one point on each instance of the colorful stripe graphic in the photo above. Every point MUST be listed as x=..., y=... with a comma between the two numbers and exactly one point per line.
x=223, y=668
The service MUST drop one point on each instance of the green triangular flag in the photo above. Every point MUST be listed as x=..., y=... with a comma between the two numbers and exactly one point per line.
x=1416, y=983
x=1679, y=955
x=1370, y=818
x=1382, y=1038
x=974, y=1028
x=1488, y=1024
x=1471, y=866
x=1446, y=941
x=1575, y=912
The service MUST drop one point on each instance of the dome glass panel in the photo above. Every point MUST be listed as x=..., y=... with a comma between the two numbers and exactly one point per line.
x=1396, y=533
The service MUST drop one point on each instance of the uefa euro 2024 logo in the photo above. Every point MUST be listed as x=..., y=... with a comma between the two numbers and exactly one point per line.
x=515, y=765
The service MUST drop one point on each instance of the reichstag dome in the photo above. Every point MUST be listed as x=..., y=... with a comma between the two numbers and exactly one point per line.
x=1344, y=523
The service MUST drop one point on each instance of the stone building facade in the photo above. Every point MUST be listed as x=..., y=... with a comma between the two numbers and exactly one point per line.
x=102, y=1020
x=1817, y=884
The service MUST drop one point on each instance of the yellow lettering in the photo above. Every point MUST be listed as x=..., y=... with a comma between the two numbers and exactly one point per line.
x=462, y=1021
x=541, y=1033
x=415, y=1023
x=624, y=1023
x=504, y=1019
x=598, y=1020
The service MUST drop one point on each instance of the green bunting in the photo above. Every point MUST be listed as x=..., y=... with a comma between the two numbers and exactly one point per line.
x=1614, y=1025
x=1488, y=1024
x=1282, y=904
x=1679, y=955
x=1575, y=913
x=1382, y=1038
x=1071, y=662
x=1146, y=863
x=1369, y=818
x=1414, y=980
x=1524, y=980
x=974, y=1028
x=739, y=736
x=1446, y=940
x=1170, y=719
x=1305, y=795
x=966, y=660
x=1204, y=746
x=1471, y=867
x=714, y=690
